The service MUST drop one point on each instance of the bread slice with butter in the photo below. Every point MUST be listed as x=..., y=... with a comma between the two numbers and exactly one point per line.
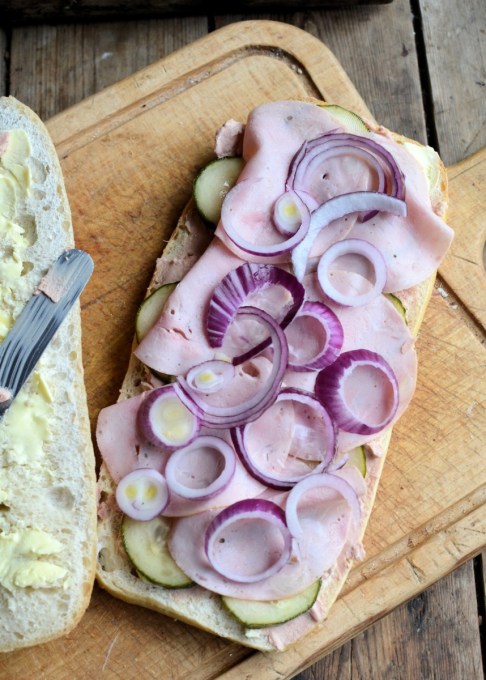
x=47, y=468
x=197, y=606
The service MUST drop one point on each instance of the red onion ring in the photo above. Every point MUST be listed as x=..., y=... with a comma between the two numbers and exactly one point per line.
x=330, y=389
x=352, y=246
x=323, y=480
x=284, y=481
x=198, y=377
x=318, y=156
x=223, y=531
x=250, y=409
x=311, y=151
x=336, y=208
x=229, y=223
x=199, y=448
x=334, y=337
x=285, y=225
x=234, y=289
x=142, y=494
x=153, y=424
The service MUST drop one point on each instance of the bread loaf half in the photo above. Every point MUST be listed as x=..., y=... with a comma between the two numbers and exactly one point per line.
x=47, y=470
x=253, y=613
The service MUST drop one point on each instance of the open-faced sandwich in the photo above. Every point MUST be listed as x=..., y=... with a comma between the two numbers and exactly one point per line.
x=47, y=465
x=242, y=459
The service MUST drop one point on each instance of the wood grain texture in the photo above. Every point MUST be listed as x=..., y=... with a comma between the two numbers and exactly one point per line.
x=110, y=649
x=456, y=55
x=416, y=641
x=463, y=269
x=454, y=42
x=391, y=86
x=55, y=67
x=3, y=62
x=52, y=10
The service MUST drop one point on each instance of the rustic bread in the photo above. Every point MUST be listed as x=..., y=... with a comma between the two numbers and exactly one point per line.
x=47, y=469
x=195, y=605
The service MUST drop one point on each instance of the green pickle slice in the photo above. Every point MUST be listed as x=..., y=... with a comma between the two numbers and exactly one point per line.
x=213, y=183
x=146, y=546
x=258, y=614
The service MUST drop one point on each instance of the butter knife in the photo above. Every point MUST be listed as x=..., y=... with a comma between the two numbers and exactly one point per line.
x=39, y=320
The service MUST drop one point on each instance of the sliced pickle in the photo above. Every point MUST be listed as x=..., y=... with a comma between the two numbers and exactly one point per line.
x=146, y=546
x=398, y=304
x=428, y=159
x=150, y=310
x=351, y=121
x=357, y=457
x=258, y=614
x=213, y=183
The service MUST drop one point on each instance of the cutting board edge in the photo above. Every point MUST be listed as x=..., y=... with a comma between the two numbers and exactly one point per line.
x=284, y=665
x=270, y=37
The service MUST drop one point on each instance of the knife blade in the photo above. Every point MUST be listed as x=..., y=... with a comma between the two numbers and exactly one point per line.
x=39, y=320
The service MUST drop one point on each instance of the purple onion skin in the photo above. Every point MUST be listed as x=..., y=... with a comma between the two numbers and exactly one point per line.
x=259, y=507
x=397, y=188
x=231, y=293
x=227, y=417
x=328, y=383
x=241, y=507
x=333, y=328
x=237, y=437
x=144, y=423
x=230, y=465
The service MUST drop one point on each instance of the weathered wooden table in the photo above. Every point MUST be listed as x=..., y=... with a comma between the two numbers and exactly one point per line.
x=420, y=66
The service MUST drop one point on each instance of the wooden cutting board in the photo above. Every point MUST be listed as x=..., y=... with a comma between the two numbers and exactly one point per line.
x=129, y=155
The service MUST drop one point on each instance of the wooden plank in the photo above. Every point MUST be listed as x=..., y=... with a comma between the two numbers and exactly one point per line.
x=456, y=63
x=391, y=86
x=55, y=67
x=258, y=81
x=456, y=56
x=463, y=270
x=432, y=635
x=52, y=10
x=459, y=100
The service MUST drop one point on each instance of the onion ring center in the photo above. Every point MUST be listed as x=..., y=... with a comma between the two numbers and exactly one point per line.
x=368, y=394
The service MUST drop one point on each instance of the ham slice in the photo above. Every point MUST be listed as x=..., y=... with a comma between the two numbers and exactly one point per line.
x=241, y=486
x=326, y=521
x=124, y=450
x=412, y=246
x=377, y=327
x=178, y=339
x=120, y=443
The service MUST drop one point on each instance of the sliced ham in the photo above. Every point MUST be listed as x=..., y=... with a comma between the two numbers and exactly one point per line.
x=241, y=486
x=412, y=246
x=124, y=450
x=377, y=327
x=178, y=340
x=326, y=521
x=229, y=139
x=120, y=444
